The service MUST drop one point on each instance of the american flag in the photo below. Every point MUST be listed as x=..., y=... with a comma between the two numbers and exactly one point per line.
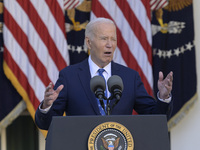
x=35, y=47
x=132, y=18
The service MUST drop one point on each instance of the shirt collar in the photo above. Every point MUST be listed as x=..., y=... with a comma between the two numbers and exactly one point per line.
x=94, y=68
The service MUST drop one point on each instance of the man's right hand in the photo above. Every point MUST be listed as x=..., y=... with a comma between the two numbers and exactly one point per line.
x=50, y=95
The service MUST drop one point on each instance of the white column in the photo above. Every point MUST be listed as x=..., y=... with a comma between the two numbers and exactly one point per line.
x=42, y=141
x=3, y=139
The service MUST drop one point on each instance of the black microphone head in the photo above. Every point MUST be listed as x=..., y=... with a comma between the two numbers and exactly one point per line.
x=115, y=82
x=97, y=82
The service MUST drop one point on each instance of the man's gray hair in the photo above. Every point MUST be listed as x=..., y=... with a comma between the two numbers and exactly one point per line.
x=91, y=25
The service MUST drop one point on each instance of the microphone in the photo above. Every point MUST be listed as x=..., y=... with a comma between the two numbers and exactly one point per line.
x=98, y=86
x=115, y=86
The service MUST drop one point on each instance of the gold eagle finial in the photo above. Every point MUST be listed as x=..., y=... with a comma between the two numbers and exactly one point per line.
x=176, y=5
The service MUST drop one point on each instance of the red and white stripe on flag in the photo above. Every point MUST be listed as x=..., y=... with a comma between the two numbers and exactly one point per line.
x=132, y=19
x=69, y=4
x=35, y=46
x=158, y=4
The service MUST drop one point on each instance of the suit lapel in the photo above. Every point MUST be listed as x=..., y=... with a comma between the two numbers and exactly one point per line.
x=84, y=77
x=115, y=70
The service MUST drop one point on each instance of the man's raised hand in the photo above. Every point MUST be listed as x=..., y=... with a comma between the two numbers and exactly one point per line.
x=165, y=85
x=50, y=95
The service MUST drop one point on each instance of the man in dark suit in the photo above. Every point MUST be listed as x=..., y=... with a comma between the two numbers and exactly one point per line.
x=72, y=93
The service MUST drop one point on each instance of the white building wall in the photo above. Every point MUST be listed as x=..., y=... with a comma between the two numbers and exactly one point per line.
x=186, y=135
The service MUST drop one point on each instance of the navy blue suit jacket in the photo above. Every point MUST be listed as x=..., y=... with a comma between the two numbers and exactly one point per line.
x=76, y=98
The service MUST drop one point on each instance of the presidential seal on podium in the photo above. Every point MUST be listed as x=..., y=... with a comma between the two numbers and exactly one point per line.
x=110, y=136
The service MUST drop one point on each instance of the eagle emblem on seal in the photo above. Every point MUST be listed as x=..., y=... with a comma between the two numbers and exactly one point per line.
x=110, y=141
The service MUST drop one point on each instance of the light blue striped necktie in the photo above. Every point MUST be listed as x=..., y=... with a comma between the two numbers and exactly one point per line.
x=100, y=71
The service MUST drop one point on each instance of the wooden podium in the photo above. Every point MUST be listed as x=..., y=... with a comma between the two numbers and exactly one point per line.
x=149, y=132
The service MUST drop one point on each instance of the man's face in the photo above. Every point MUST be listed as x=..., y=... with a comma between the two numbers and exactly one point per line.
x=102, y=44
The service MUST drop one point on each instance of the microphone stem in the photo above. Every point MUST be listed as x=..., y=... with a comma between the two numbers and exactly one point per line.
x=108, y=108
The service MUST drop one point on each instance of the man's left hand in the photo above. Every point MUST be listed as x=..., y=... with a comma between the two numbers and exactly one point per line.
x=165, y=85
